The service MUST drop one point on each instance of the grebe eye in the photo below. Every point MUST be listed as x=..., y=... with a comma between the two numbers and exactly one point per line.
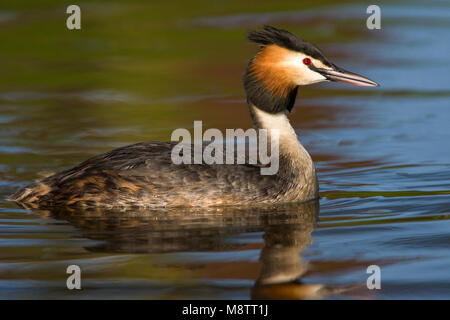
x=307, y=61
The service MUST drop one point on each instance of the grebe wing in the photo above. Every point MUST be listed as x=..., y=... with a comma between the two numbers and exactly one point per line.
x=144, y=174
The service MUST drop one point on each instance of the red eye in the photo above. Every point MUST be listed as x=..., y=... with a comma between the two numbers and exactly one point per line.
x=307, y=61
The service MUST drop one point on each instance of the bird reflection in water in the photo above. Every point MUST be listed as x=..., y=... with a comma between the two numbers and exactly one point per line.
x=286, y=232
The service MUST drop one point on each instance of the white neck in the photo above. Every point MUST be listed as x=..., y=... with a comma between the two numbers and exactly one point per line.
x=295, y=161
x=289, y=143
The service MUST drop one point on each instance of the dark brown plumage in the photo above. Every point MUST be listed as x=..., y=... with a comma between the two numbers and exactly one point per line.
x=143, y=175
x=282, y=38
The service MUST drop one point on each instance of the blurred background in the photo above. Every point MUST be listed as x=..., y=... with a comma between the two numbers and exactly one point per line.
x=137, y=70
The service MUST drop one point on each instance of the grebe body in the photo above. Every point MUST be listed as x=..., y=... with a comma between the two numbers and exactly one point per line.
x=144, y=175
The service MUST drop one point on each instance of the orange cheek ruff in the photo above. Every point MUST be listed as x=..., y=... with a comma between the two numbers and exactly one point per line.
x=268, y=69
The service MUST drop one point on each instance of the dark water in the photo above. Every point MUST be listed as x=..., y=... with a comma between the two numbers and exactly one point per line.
x=137, y=71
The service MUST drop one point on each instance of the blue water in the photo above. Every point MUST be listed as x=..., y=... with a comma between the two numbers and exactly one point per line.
x=382, y=156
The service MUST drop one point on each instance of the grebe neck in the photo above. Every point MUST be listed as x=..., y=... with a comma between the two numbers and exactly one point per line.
x=289, y=145
x=295, y=163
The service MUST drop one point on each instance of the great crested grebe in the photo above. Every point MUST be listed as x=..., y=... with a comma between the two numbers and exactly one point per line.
x=143, y=174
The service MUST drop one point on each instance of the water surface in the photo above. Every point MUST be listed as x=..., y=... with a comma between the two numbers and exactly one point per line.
x=137, y=71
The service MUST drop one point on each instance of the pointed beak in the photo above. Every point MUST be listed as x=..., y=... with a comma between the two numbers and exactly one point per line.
x=340, y=75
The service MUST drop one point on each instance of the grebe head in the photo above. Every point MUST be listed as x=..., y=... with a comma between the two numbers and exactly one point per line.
x=285, y=62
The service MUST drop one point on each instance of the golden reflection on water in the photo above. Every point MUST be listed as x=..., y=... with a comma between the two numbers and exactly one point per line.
x=140, y=69
x=286, y=233
x=278, y=273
